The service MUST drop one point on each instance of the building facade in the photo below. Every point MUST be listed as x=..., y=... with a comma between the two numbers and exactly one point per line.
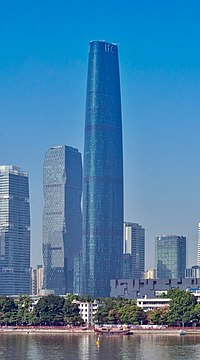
x=170, y=256
x=37, y=279
x=198, y=250
x=139, y=288
x=62, y=217
x=14, y=231
x=134, y=245
x=88, y=310
x=193, y=272
x=103, y=172
x=150, y=274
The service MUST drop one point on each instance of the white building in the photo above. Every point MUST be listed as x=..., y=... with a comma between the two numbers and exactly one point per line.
x=152, y=303
x=88, y=310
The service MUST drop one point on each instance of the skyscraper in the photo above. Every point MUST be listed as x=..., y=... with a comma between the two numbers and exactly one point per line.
x=134, y=244
x=171, y=256
x=62, y=218
x=103, y=172
x=14, y=231
x=198, y=250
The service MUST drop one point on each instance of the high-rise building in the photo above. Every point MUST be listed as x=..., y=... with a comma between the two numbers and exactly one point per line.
x=33, y=274
x=40, y=278
x=170, y=256
x=134, y=245
x=198, y=251
x=37, y=277
x=103, y=172
x=62, y=218
x=14, y=231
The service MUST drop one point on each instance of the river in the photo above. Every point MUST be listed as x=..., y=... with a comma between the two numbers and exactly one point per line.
x=84, y=347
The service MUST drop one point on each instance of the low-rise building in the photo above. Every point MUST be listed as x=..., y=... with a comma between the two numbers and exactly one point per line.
x=88, y=310
x=152, y=303
x=139, y=288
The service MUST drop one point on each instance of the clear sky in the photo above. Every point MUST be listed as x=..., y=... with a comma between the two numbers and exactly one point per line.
x=43, y=68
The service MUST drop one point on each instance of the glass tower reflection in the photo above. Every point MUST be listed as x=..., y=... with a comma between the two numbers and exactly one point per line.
x=103, y=172
x=62, y=217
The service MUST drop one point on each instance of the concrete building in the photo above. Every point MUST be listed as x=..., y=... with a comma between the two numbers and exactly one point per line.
x=139, y=288
x=150, y=274
x=88, y=311
x=33, y=274
x=37, y=278
x=152, y=303
x=193, y=272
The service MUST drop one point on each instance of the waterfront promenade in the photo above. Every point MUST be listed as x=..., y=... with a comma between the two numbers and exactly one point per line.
x=90, y=330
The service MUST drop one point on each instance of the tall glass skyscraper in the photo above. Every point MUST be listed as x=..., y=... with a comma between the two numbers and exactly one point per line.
x=14, y=231
x=103, y=172
x=171, y=256
x=62, y=217
x=134, y=245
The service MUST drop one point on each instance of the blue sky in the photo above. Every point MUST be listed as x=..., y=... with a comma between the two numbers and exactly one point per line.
x=43, y=68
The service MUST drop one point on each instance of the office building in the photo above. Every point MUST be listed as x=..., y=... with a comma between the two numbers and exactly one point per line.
x=62, y=218
x=37, y=278
x=193, y=272
x=103, y=172
x=33, y=274
x=14, y=231
x=198, y=250
x=170, y=256
x=134, y=246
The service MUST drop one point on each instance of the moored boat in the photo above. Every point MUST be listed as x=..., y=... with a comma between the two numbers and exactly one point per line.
x=112, y=330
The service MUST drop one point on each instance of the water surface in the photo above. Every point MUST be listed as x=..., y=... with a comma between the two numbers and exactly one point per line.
x=84, y=347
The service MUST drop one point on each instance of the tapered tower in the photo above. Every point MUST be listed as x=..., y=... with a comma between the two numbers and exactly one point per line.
x=103, y=172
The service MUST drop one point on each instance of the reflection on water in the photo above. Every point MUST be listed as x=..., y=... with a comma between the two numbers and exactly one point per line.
x=84, y=347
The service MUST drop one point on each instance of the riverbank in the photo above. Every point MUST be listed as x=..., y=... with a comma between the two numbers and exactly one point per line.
x=78, y=330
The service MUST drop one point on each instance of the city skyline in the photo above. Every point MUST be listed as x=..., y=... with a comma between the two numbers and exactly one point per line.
x=43, y=77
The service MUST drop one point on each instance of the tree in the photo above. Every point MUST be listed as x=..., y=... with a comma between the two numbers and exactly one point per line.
x=131, y=314
x=8, y=310
x=23, y=312
x=71, y=313
x=49, y=310
x=157, y=316
x=181, y=307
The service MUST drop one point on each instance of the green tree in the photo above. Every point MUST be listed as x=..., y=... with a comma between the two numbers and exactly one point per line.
x=8, y=311
x=181, y=307
x=131, y=314
x=49, y=311
x=71, y=313
x=23, y=312
x=158, y=316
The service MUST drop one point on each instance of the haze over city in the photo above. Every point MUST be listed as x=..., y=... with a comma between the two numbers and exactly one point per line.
x=43, y=69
